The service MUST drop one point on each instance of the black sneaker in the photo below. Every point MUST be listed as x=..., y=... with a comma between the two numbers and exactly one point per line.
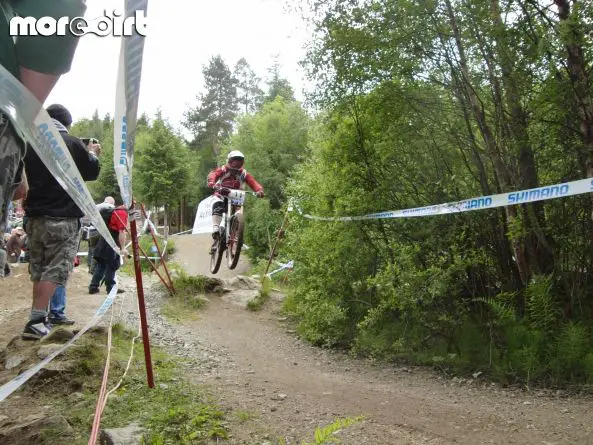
x=93, y=290
x=61, y=320
x=36, y=330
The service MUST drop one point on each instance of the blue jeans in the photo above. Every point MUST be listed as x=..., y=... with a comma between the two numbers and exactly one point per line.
x=57, y=304
x=104, y=271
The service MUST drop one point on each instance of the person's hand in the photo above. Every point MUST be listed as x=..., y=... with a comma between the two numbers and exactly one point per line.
x=260, y=194
x=125, y=252
x=95, y=149
x=221, y=190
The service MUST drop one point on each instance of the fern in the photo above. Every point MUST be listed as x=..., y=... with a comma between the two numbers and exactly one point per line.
x=500, y=306
x=542, y=310
x=326, y=434
x=572, y=347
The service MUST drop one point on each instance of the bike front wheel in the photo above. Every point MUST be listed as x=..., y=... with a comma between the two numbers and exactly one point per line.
x=235, y=240
x=216, y=255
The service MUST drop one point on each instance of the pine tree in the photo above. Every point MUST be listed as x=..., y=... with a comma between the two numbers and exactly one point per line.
x=249, y=93
x=277, y=85
x=212, y=120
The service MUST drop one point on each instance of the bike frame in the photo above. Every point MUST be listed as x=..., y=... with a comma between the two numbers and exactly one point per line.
x=235, y=200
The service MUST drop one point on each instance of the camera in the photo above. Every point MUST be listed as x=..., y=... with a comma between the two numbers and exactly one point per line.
x=87, y=141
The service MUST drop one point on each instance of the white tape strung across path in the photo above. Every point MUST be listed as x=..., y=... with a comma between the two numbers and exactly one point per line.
x=10, y=387
x=483, y=202
x=289, y=265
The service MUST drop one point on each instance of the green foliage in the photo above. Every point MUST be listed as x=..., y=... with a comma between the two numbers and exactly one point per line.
x=274, y=141
x=195, y=424
x=249, y=93
x=174, y=412
x=277, y=85
x=427, y=103
x=211, y=122
x=325, y=435
x=106, y=184
x=190, y=292
x=161, y=172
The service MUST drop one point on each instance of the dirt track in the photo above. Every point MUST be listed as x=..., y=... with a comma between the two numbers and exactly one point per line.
x=260, y=357
x=402, y=406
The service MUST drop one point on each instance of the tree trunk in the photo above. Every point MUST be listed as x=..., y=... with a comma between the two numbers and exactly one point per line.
x=502, y=171
x=571, y=34
x=182, y=214
x=166, y=218
x=540, y=257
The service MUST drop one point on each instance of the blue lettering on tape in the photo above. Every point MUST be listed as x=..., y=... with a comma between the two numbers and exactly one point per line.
x=477, y=203
x=124, y=136
x=49, y=139
x=538, y=194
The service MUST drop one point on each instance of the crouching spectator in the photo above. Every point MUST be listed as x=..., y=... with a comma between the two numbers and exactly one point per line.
x=53, y=222
x=107, y=259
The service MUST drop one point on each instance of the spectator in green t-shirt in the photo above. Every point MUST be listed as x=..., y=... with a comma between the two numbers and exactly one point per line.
x=38, y=62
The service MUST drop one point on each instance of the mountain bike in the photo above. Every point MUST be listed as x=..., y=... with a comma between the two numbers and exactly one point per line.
x=230, y=240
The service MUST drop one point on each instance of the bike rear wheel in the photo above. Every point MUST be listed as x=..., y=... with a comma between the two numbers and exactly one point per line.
x=235, y=240
x=216, y=256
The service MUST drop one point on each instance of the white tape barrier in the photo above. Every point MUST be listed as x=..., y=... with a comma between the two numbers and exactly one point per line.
x=182, y=233
x=33, y=122
x=289, y=265
x=483, y=202
x=10, y=387
x=126, y=103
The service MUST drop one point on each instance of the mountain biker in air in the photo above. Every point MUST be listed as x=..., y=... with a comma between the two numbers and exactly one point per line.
x=229, y=176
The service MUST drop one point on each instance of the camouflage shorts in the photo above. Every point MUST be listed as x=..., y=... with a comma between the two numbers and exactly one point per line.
x=53, y=244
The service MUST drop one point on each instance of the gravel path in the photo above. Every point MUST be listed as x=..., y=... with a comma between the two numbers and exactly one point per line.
x=255, y=363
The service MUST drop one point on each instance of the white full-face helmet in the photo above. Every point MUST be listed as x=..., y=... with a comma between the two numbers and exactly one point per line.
x=235, y=159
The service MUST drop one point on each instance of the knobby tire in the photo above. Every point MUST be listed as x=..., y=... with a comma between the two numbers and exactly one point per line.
x=236, y=240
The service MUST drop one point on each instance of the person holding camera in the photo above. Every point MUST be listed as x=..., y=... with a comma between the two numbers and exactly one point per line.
x=53, y=222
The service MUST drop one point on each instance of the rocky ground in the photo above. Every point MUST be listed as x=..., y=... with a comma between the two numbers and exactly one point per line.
x=255, y=363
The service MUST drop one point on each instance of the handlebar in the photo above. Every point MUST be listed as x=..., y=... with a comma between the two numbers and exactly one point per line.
x=228, y=190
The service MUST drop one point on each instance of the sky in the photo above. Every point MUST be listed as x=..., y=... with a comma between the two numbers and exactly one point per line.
x=179, y=42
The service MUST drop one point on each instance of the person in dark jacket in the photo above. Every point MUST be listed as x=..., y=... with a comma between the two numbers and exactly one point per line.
x=108, y=260
x=53, y=222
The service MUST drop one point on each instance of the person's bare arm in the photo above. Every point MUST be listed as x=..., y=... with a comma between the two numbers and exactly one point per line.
x=22, y=189
x=122, y=241
x=39, y=84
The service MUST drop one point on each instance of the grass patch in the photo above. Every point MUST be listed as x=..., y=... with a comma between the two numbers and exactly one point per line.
x=174, y=412
x=177, y=311
x=190, y=293
x=244, y=416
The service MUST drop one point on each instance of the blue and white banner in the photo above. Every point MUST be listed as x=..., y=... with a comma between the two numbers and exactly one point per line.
x=480, y=203
x=126, y=103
